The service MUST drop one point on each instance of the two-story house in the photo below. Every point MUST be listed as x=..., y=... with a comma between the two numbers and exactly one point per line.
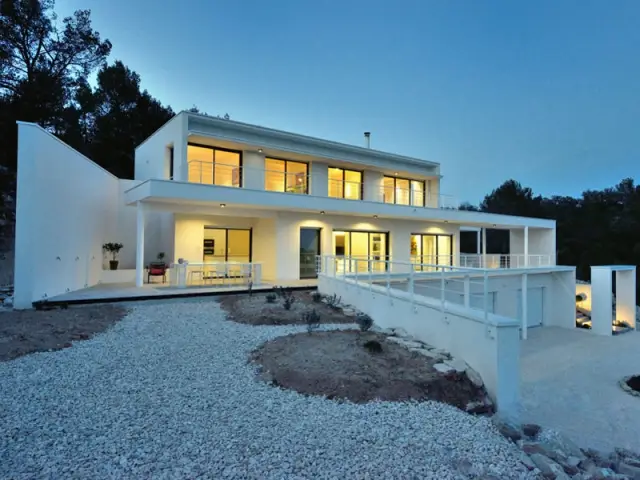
x=214, y=191
x=230, y=191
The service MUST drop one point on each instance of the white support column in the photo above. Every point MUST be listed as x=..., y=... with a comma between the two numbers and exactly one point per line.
x=601, y=300
x=478, y=243
x=526, y=246
x=626, y=296
x=524, y=309
x=140, y=245
x=484, y=247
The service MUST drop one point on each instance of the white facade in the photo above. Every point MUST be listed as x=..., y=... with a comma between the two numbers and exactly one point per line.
x=167, y=207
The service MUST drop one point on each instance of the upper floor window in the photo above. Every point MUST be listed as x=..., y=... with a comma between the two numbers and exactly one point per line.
x=345, y=183
x=403, y=191
x=285, y=176
x=214, y=166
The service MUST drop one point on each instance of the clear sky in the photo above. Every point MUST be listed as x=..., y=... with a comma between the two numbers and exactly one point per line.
x=546, y=92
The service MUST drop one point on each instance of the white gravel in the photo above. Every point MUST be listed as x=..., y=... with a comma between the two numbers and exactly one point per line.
x=168, y=393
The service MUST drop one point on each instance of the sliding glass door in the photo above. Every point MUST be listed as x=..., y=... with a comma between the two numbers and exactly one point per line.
x=368, y=250
x=309, y=251
x=428, y=250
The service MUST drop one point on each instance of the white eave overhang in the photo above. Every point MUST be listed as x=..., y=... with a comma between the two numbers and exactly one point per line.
x=169, y=192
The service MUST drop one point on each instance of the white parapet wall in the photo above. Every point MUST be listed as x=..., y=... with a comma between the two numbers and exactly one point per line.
x=490, y=346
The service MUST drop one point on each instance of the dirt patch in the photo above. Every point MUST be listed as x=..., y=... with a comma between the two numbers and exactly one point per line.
x=337, y=364
x=27, y=331
x=254, y=310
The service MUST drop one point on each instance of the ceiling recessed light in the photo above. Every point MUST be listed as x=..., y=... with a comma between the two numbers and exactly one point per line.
x=494, y=224
x=375, y=216
x=395, y=173
x=321, y=212
x=259, y=150
x=446, y=221
x=222, y=205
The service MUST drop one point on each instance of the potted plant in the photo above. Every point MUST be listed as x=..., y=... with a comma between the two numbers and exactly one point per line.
x=160, y=260
x=113, y=249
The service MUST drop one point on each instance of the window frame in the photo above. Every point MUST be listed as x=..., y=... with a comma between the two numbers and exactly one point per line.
x=411, y=191
x=286, y=161
x=344, y=170
x=436, y=235
x=213, y=149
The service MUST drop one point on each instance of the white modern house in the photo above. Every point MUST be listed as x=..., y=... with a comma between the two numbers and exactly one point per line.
x=210, y=190
x=231, y=204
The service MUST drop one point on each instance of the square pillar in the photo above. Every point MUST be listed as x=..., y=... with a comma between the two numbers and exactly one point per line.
x=626, y=296
x=140, y=244
x=601, y=301
x=525, y=320
x=484, y=248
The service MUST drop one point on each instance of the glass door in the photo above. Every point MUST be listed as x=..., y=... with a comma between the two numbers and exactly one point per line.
x=430, y=250
x=370, y=249
x=309, y=250
x=226, y=245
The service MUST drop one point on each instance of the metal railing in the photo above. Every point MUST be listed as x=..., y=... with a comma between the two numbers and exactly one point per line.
x=226, y=175
x=448, y=285
x=493, y=261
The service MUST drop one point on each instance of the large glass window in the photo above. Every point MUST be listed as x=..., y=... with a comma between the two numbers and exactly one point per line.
x=285, y=176
x=403, y=191
x=226, y=245
x=368, y=250
x=428, y=250
x=345, y=183
x=214, y=166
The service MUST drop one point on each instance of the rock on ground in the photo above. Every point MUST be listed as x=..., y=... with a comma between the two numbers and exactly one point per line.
x=168, y=393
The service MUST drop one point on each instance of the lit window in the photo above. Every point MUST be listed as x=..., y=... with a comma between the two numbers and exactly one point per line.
x=214, y=166
x=403, y=191
x=285, y=176
x=345, y=183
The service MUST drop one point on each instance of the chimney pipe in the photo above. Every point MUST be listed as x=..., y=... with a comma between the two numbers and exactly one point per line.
x=367, y=139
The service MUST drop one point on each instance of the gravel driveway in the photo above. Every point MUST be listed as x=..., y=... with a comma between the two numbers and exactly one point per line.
x=168, y=393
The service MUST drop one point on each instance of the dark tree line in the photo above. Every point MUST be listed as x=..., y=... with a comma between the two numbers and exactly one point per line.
x=45, y=66
x=598, y=228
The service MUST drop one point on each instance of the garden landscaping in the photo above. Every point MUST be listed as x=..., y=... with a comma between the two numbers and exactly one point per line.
x=27, y=331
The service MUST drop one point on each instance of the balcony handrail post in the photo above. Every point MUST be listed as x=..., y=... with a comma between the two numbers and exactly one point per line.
x=411, y=285
x=442, y=290
x=485, y=294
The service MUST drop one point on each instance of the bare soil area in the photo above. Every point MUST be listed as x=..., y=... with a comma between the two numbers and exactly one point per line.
x=336, y=364
x=254, y=310
x=27, y=331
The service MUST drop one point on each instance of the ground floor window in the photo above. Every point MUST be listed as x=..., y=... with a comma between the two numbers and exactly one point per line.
x=368, y=250
x=226, y=245
x=432, y=250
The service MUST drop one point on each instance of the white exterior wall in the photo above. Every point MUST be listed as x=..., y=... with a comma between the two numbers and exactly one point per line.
x=253, y=175
x=373, y=183
x=66, y=209
x=152, y=156
x=493, y=349
x=319, y=183
x=541, y=242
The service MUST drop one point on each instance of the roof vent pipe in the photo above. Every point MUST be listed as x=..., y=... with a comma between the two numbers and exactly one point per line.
x=367, y=139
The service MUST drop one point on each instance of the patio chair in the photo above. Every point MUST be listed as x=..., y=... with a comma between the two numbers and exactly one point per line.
x=157, y=269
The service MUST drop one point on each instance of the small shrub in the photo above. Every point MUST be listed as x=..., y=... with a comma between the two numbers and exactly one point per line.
x=271, y=297
x=317, y=297
x=312, y=320
x=364, y=321
x=289, y=300
x=373, y=346
x=333, y=301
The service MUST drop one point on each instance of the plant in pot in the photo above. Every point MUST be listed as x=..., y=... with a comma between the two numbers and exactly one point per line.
x=160, y=260
x=113, y=249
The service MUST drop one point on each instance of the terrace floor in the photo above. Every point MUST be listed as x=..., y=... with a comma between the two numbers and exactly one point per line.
x=570, y=383
x=128, y=291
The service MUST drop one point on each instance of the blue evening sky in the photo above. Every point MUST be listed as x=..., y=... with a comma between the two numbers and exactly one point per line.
x=546, y=92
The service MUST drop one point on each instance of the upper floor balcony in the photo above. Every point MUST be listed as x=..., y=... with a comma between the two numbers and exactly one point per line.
x=302, y=178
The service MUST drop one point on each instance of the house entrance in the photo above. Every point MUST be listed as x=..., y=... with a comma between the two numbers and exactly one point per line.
x=309, y=251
